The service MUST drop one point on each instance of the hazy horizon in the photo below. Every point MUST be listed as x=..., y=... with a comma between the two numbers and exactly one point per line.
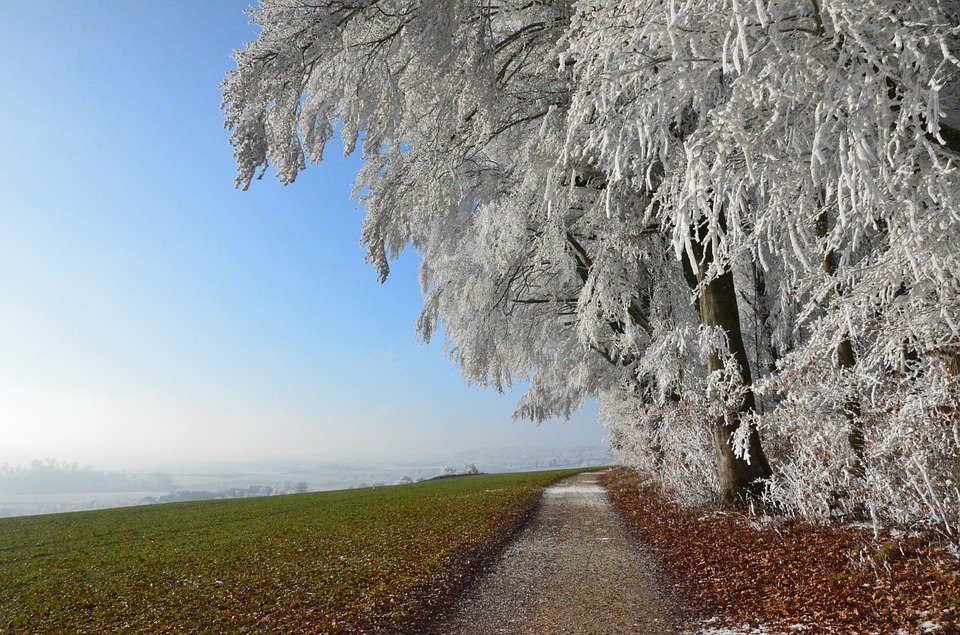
x=50, y=487
x=512, y=437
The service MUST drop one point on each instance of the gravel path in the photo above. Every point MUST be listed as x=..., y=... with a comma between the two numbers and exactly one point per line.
x=573, y=571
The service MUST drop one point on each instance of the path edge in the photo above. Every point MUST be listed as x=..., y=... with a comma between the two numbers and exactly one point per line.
x=470, y=566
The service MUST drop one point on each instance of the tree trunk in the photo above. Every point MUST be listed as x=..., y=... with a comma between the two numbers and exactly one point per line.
x=761, y=323
x=738, y=476
x=846, y=359
x=718, y=307
x=953, y=367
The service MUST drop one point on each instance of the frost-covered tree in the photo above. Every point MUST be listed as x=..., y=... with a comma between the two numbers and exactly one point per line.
x=723, y=218
x=462, y=110
x=810, y=138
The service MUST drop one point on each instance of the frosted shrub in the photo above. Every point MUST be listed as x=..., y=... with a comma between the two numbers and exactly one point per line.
x=908, y=468
x=912, y=458
x=668, y=444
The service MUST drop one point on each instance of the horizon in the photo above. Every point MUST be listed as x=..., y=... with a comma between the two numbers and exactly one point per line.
x=52, y=487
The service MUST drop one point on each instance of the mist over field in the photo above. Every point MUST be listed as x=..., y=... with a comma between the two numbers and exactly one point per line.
x=44, y=487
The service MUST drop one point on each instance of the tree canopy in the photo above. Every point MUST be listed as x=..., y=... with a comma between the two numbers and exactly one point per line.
x=729, y=221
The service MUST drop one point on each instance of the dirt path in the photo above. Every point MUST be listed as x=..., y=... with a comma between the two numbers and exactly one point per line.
x=573, y=571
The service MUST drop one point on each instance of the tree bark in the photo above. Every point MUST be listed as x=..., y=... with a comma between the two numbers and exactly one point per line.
x=953, y=367
x=846, y=360
x=739, y=477
x=761, y=322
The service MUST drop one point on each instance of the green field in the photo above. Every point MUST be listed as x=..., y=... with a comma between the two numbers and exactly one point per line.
x=347, y=561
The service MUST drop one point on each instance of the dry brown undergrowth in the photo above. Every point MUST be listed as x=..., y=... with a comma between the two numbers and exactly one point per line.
x=835, y=579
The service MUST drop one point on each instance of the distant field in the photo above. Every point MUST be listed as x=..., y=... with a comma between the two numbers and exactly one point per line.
x=312, y=563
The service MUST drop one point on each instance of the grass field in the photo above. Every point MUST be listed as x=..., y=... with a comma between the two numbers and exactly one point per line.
x=332, y=562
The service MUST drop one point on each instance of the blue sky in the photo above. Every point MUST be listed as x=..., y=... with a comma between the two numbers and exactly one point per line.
x=151, y=313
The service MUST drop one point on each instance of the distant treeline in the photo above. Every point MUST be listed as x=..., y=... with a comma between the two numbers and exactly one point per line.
x=54, y=477
x=254, y=491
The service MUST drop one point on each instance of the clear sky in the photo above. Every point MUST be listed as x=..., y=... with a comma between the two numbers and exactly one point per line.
x=150, y=313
